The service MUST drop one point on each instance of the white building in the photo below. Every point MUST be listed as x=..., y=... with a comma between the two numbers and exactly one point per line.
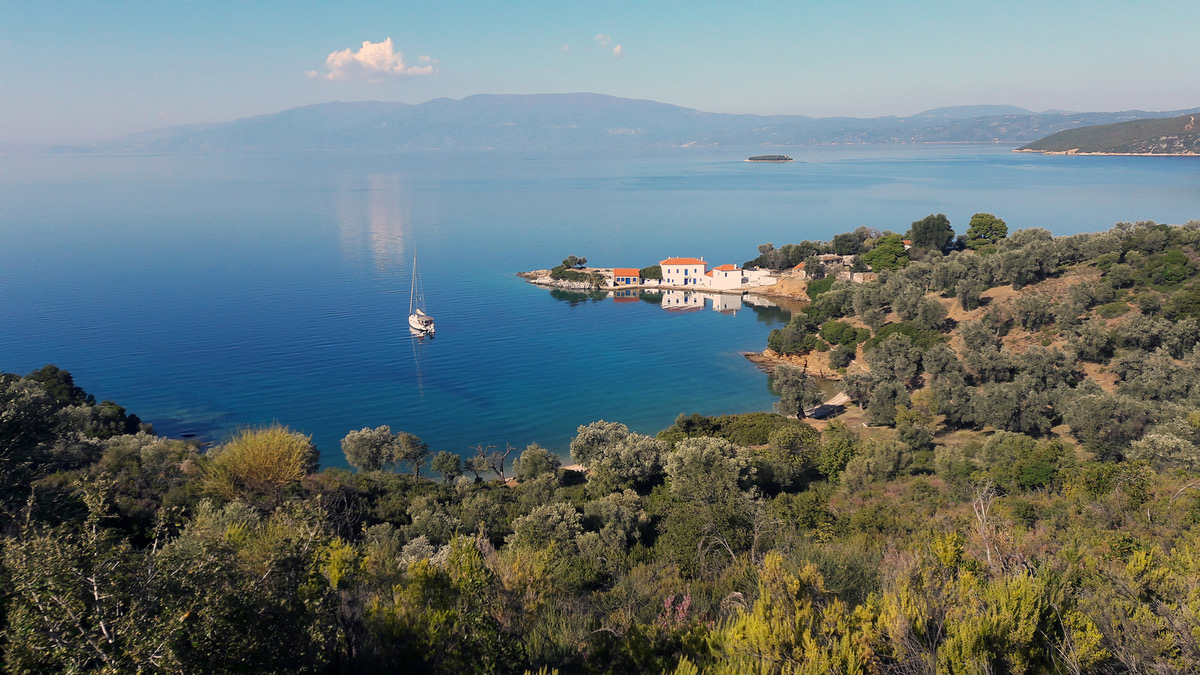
x=683, y=271
x=726, y=277
x=726, y=303
x=759, y=277
x=682, y=301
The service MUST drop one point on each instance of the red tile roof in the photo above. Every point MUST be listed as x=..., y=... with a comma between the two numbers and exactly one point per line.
x=626, y=272
x=799, y=267
x=682, y=261
x=725, y=268
x=708, y=273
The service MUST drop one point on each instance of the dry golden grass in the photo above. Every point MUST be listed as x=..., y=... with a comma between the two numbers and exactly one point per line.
x=259, y=462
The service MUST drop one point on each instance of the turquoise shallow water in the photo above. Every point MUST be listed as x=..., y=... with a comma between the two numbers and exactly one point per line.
x=208, y=293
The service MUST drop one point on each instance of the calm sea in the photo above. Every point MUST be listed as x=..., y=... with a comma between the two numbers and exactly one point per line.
x=210, y=293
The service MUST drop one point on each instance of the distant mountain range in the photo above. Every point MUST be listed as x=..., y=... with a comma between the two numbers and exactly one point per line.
x=1173, y=136
x=589, y=121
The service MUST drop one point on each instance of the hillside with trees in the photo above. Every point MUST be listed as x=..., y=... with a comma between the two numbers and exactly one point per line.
x=1172, y=136
x=1013, y=488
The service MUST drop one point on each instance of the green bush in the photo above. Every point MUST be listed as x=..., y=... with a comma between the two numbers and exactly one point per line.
x=1112, y=309
x=652, y=272
x=744, y=430
x=819, y=286
x=921, y=338
x=842, y=333
x=564, y=274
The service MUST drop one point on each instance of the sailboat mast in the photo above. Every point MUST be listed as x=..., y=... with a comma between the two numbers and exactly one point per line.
x=412, y=294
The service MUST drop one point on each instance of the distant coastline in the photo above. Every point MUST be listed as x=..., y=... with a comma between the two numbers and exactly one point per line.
x=1076, y=151
x=1143, y=137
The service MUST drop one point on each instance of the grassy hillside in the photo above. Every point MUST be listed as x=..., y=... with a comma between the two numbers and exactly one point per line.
x=1173, y=136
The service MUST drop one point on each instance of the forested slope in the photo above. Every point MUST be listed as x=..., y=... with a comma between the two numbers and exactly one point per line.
x=1173, y=136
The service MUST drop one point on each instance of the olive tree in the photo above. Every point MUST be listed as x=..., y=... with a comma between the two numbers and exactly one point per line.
x=797, y=391
x=615, y=454
x=377, y=449
x=534, y=462
x=448, y=464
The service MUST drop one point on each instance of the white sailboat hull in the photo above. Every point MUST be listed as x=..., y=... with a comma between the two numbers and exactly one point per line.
x=420, y=321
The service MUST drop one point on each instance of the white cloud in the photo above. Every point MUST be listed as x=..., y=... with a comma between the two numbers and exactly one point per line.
x=618, y=51
x=375, y=60
x=603, y=40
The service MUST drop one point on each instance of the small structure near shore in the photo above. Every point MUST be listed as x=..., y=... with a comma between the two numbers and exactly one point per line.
x=626, y=276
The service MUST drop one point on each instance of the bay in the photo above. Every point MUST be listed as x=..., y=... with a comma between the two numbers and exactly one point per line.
x=208, y=293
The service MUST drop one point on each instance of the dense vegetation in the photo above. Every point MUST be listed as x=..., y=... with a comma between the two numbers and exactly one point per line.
x=1025, y=500
x=1172, y=136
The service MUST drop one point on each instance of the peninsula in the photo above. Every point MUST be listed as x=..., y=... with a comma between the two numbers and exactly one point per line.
x=1171, y=136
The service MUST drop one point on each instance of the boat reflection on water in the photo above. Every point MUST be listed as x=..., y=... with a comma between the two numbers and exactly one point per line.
x=419, y=337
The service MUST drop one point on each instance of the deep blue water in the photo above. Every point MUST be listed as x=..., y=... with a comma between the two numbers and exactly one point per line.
x=208, y=293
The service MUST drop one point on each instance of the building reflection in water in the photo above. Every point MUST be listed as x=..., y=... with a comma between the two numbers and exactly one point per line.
x=374, y=221
x=692, y=301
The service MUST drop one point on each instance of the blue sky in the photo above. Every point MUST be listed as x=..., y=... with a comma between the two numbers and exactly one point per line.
x=74, y=71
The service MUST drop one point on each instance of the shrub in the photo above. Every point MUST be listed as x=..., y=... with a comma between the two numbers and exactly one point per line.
x=842, y=356
x=746, y=429
x=260, y=462
x=842, y=333
x=564, y=274
x=798, y=337
x=818, y=287
x=535, y=461
x=921, y=338
x=1112, y=309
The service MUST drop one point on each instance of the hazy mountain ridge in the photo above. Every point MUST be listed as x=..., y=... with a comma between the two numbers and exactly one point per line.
x=587, y=121
x=1172, y=136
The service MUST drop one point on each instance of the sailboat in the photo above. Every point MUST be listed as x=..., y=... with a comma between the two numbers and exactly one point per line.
x=418, y=320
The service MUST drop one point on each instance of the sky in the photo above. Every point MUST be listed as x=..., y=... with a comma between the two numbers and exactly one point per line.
x=82, y=71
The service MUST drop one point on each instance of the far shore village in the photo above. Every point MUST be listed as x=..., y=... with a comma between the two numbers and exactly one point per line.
x=687, y=282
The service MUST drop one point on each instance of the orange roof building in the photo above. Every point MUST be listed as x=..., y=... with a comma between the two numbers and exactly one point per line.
x=683, y=271
x=681, y=261
x=626, y=276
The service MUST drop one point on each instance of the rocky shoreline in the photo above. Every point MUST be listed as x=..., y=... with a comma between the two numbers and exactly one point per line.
x=542, y=278
x=816, y=364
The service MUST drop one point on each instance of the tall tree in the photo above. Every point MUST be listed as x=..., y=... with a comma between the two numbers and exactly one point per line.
x=888, y=254
x=797, y=391
x=413, y=450
x=985, y=229
x=371, y=449
x=931, y=233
